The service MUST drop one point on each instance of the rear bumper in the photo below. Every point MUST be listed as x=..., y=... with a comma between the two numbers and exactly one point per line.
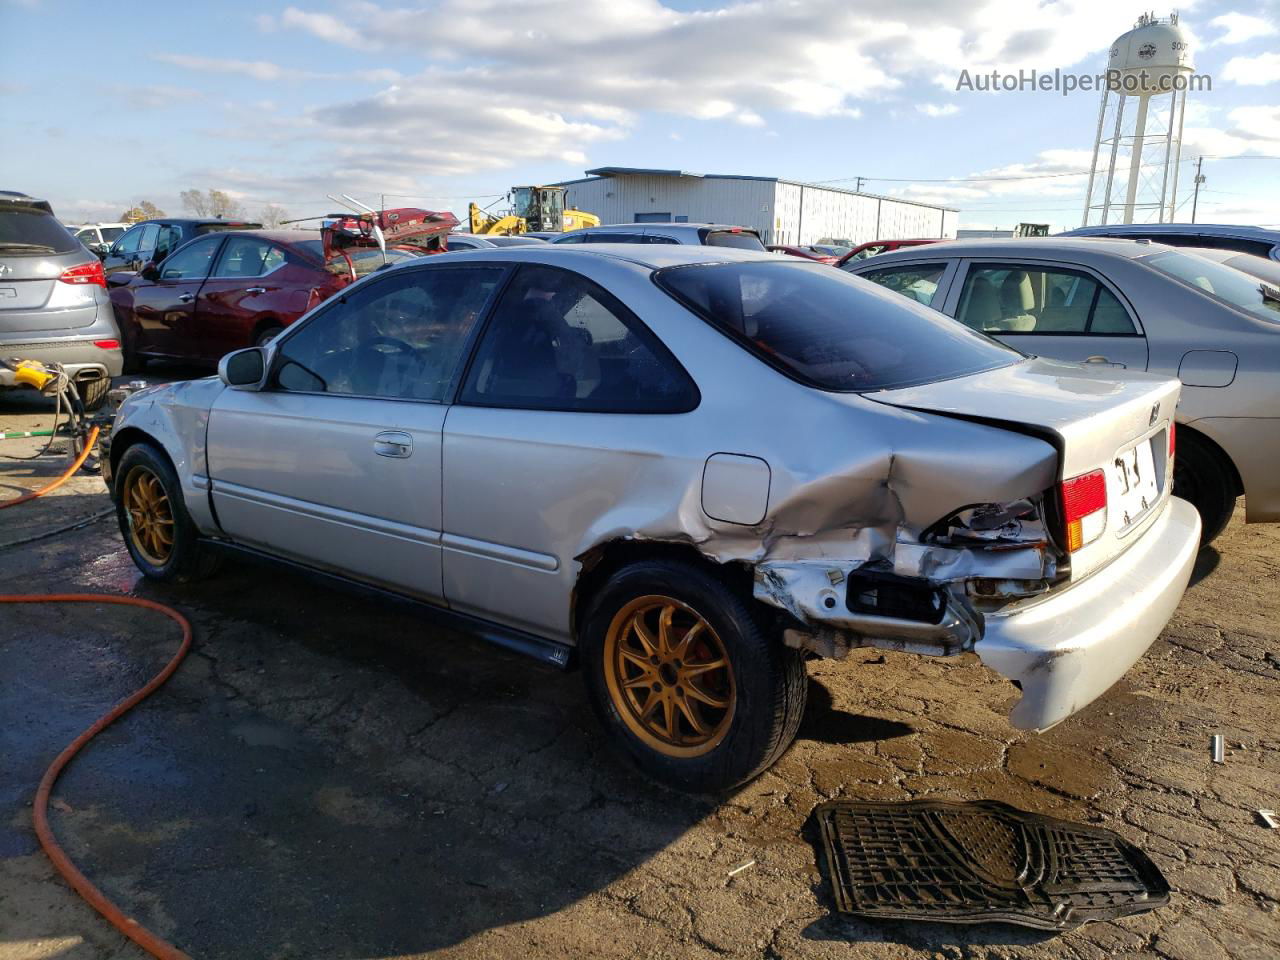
x=78, y=356
x=1068, y=647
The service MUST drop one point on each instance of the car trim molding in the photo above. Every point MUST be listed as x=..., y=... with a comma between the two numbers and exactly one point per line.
x=545, y=562
x=306, y=508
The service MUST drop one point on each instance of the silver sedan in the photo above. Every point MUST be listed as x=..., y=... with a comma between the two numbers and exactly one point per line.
x=1134, y=305
x=686, y=468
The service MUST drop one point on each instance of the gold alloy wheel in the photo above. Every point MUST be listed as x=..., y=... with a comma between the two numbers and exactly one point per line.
x=669, y=676
x=150, y=515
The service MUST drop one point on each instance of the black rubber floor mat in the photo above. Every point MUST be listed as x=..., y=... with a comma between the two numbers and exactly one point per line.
x=979, y=862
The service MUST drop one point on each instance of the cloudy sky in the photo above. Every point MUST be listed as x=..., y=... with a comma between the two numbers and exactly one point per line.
x=442, y=101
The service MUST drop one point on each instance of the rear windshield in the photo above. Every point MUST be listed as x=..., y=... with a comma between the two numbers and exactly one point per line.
x=829, y=329
x=364, y=260
x=1222, y=282
x=28, y=231
x=203, y=228
x=111, y=234
x=728, y=238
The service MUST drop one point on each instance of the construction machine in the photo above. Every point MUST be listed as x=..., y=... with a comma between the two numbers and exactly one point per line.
x=538, y=209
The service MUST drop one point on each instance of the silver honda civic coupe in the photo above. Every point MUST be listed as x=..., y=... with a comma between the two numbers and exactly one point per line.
x=686, y=468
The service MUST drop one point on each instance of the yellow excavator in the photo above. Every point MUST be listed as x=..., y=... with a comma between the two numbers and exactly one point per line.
x=533, y=210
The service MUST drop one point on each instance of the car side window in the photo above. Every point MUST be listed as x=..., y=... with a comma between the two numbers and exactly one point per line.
x=1010, y=299
x=147, y=239
x=402, y=337
x=918, y=282
x=244, y=256
x=169, y=240
x=615, y=238
x=574, y=236
x=191, y=263
x=128, y=243
x=558, y=341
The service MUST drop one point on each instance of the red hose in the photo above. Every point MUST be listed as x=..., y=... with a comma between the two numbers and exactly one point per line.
x=139, y=934
x=84, y=455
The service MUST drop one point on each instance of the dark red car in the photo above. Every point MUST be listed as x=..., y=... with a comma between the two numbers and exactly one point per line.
x=227, y=291
x=806, y=253
x=862, y=251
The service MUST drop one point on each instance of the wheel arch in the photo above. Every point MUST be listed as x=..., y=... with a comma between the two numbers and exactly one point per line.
x=1186, y=431
x=605, y=559
x=264, y=323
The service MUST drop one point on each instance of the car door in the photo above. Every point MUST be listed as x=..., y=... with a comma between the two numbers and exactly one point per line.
x=925, y=283
x=336, y=463
x=164, y=303
x=248, y=285
x=568, y=405
x=123, y=254
x=1061, y=311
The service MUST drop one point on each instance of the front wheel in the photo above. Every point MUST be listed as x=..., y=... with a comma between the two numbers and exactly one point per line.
x=157, y=530
x=686, y=676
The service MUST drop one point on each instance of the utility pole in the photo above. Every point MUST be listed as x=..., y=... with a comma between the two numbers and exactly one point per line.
x=1195, y=199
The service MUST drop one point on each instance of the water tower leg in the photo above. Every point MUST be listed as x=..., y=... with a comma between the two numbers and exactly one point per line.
x=1135, y=158
x=1093, y=167
x=1177, y=160
x=1168, y=157
x=1111, y=168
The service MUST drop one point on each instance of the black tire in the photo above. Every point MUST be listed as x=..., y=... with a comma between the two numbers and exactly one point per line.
x=187, y=558
x=266, y=335
x=1202, y=477
x=93, y=393
x=768, y=682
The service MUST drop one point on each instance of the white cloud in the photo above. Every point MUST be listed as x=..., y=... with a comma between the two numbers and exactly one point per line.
x=328, y=27
x=269, y=72
x=1240, y=28
x=1253, y=71
x=937, y=109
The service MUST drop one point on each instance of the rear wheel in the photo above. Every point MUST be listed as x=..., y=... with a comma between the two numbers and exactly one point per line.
x=157, y=530
x=93, y=393
x=1203, y=478
x=686, y=676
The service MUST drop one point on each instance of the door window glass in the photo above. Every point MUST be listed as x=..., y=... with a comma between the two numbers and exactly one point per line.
x=192, y=262
x=147, y=239
x=1017, y=299
x=557, y=341
x=243, y=256
x=401, y=337
x=128, y=243
x=919, y=282
x=169, y=240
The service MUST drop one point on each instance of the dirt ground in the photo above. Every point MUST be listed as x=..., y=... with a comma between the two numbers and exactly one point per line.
x=331, y=776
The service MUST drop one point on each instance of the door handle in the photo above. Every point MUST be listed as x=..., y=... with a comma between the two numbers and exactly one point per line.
x=393, y=443
x=1098, y=359
x=186, y=297
x=256, y=290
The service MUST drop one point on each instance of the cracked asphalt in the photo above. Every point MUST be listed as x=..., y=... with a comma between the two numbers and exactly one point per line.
x=330, y=775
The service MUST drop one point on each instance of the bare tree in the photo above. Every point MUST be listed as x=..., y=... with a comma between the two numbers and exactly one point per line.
x=222, y=205
x=194, y=201
x=272, y=214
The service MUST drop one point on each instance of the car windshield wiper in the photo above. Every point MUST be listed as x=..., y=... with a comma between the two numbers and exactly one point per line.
x=36, y=247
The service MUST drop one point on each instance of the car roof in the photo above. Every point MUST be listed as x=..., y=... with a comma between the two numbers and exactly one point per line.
x=666, y=225
x=654, y=256
x=198, y=221
x=1023, y=247
x=1155, y=229
x=20, y=199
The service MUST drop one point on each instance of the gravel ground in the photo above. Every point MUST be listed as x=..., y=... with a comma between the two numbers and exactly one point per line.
x=332, y=776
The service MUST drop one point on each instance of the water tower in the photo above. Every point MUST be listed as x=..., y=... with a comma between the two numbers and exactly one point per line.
x=1138, y=147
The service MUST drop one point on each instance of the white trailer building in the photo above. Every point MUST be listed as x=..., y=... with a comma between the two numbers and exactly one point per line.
x=783, y=211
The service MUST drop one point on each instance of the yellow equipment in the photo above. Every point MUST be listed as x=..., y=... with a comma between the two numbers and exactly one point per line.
x=538, y=209
x=25, y=373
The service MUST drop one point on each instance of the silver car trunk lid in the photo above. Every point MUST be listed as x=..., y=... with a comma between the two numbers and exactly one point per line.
x=1098, y=420
x=32, y=298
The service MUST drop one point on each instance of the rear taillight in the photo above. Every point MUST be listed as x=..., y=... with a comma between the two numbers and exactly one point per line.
x=86, y=273
x=1173, y=439
x=107, y=344
x=1084, y=508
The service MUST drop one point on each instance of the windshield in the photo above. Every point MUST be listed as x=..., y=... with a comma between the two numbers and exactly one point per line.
x=364, y=260
x=1221, y=282
x=28, y=230
x=111, y=234
x=830, y=329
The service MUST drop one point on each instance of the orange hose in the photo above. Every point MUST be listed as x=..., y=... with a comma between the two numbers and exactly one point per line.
x=84, y=455
x=139, y=934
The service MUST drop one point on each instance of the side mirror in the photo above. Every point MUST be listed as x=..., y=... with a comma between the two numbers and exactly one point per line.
x=150, y=272
x=244, y=369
